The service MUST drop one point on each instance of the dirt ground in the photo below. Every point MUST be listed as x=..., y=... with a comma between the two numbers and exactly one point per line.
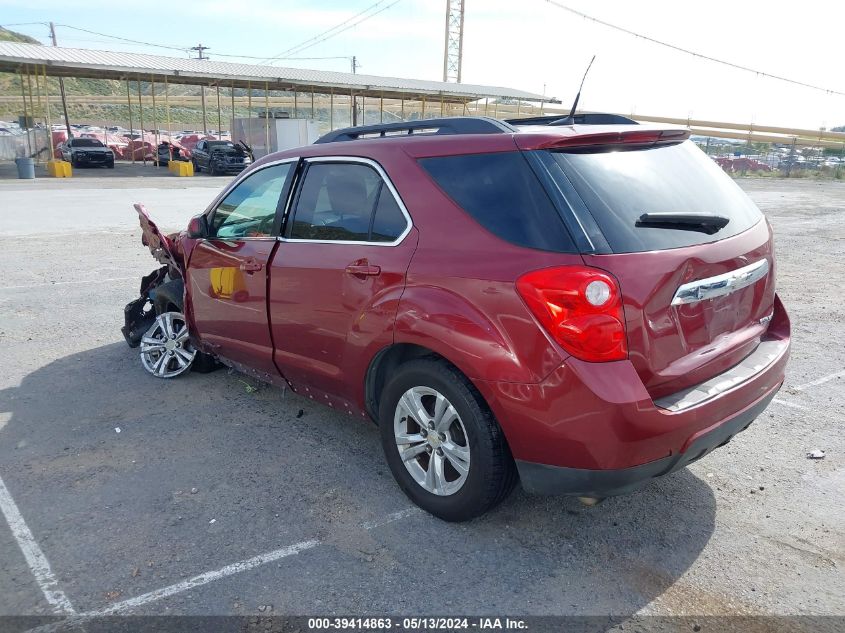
x=143, y=494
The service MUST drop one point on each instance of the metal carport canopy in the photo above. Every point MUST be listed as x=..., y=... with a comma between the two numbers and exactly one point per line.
x=97, y=64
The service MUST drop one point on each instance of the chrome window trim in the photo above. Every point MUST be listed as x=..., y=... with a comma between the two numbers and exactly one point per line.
x=409, y=223
x=246, y=173
x=720, y=285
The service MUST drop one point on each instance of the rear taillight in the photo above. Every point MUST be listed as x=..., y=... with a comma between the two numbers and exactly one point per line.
x=580, y=307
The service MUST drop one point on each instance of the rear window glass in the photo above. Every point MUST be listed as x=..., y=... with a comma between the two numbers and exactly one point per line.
x=503, y=195
x=618, y=187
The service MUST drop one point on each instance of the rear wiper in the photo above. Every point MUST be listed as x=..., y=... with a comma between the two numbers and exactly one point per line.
x=704, y=222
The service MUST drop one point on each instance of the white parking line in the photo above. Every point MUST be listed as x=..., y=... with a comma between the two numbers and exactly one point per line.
x=786, y=403
x=203, y=579
x=127, y=605
x=820, y=381
x=38, y=564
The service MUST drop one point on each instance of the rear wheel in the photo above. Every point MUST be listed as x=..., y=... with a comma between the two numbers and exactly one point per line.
x=442, y=443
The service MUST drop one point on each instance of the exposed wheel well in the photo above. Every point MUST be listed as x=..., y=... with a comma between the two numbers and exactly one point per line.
x=169, y=297
x=385, y=363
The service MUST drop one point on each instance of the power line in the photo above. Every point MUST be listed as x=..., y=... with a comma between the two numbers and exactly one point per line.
x=689, y=52
x=335, y=30
x=5, y=26
x=183, y=49
x=295, y=47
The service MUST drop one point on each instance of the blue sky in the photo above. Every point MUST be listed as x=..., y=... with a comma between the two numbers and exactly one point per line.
x=527, y=44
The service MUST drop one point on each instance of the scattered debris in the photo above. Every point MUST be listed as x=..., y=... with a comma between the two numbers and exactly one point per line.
x=194, y=491
x=113, y=595
x=301, y=413
x=117, y=429
x=212, y=521
x=248, y=387
x=136, y=572
x=816, y=454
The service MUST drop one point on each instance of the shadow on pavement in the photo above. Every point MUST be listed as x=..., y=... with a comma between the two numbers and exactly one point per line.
x=203, y=473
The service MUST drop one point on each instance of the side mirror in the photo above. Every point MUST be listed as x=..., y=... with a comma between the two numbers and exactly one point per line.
x=198, y=227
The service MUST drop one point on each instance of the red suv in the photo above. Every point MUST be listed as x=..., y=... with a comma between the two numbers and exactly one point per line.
x=580, y=307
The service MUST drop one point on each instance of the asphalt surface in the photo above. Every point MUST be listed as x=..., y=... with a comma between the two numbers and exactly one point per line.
x=130, y=484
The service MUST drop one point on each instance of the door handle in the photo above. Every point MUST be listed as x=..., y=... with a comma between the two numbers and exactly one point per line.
x=364, y=269
x=251, y=265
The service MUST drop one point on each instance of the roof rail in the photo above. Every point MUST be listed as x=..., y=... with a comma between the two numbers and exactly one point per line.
x=451, y=125
x=585, y=118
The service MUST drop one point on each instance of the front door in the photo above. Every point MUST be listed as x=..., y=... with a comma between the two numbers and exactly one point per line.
x=227, y=273
x=336, y=279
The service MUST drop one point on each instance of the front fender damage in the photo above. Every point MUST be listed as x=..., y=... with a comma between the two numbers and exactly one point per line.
x=139, y=314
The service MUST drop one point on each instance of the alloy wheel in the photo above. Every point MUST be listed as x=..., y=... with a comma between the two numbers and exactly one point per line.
x=432, y=441
x=166, y=351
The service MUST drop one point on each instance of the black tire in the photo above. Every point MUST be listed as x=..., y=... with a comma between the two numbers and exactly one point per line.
x=170, y=297
x=492, y=472
x=212, y=170
x=110, y=165
x=196, y=167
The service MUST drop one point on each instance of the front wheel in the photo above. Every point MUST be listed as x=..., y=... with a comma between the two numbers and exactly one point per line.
x=442, y=443
x=196, y=167
x=166, y=350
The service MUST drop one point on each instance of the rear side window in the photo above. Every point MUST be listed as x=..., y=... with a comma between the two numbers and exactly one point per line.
x=619, y=187
x=346, y=202
x=501, y=192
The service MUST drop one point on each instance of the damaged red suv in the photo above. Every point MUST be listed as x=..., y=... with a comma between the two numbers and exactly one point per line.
x=578, y=307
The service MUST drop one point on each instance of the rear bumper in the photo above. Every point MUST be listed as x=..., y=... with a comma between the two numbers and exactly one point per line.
x=558, y=480
x=593, y=428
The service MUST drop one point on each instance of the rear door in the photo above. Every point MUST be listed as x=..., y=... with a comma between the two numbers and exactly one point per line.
x=336, y=279
x=696, y=301
x=227, y=273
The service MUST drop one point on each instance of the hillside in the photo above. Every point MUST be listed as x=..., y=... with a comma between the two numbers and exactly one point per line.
x=11, y=36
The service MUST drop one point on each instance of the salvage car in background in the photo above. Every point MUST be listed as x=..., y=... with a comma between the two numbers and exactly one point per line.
x=221, y=157
x=581, y=307
x=86, y=152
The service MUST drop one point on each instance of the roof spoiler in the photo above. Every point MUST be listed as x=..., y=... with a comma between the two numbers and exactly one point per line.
x=624, y=139
x=585, y=118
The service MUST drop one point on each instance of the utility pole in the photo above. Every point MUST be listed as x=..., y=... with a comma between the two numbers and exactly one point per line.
x=61, y=85
x=454, y=45
x=354, y=99
x=200, y=49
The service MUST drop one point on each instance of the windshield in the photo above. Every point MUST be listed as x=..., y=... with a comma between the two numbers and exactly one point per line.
x=618, y=187
x=86, y=142
x=220, y=144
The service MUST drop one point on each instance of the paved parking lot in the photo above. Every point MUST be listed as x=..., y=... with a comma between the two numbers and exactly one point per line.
x=127, y=494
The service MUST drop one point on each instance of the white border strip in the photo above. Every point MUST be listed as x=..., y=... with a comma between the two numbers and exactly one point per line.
x=38, y=564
